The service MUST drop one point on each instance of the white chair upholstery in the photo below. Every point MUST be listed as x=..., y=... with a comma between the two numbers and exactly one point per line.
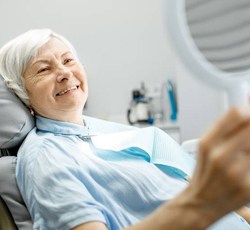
x=191, y=146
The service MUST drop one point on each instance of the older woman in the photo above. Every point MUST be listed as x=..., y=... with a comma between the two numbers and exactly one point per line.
x=66, y=185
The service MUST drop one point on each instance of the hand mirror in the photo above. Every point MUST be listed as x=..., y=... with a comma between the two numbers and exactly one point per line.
x=212, y=38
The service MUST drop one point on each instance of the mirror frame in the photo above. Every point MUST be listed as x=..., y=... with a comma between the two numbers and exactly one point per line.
x=191, y=56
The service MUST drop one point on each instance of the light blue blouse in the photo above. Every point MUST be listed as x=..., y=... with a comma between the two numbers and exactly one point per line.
x=65, y=181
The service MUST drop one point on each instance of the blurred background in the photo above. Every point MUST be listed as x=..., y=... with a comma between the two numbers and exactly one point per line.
x=124, y=46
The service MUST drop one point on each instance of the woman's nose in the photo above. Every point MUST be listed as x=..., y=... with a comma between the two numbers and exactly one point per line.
x=63, y=73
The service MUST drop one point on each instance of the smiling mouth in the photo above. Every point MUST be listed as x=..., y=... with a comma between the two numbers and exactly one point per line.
x=67, y=90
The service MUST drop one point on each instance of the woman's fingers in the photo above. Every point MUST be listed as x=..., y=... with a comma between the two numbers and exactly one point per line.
x=228, y=135
x=223, y=168
x=230, y=123
x=232, y=147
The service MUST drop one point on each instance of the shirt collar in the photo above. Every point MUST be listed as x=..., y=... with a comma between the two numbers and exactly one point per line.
x=60, y=127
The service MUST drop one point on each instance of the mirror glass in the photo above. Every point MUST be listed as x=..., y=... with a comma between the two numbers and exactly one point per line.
x=221, y=31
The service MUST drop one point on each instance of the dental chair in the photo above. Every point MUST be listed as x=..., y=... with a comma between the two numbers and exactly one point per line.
x=15, y=123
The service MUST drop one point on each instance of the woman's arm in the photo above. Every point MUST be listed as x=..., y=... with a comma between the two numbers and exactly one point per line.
x=220, y=183
x=175, y=215
x=91, y=226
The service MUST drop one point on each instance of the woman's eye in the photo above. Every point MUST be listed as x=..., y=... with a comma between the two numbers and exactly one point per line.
x=68, y=60
x=43, y=69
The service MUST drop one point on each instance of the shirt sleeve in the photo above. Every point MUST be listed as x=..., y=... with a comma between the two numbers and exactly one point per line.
x=56, y=193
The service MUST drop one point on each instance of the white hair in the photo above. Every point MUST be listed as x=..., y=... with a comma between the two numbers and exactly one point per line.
x=17, y=53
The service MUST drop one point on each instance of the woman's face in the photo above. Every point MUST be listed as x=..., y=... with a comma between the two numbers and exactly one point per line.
x=56, y=83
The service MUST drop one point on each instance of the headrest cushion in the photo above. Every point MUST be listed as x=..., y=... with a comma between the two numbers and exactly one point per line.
x=15, y=118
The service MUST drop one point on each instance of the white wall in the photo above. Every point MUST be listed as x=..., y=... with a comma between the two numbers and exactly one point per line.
x=121, y=44
x=200, y=105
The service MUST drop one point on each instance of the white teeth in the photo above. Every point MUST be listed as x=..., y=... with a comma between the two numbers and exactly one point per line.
x=67, y=90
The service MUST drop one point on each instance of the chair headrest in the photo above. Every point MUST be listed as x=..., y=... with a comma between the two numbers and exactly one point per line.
x=15, y=118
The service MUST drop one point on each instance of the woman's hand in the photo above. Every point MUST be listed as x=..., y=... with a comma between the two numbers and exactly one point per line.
x=221, y=182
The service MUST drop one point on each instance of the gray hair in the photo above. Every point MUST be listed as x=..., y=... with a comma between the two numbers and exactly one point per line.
x=17, y=53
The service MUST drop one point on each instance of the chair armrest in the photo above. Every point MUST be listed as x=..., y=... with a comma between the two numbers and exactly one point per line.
x=191, y=146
